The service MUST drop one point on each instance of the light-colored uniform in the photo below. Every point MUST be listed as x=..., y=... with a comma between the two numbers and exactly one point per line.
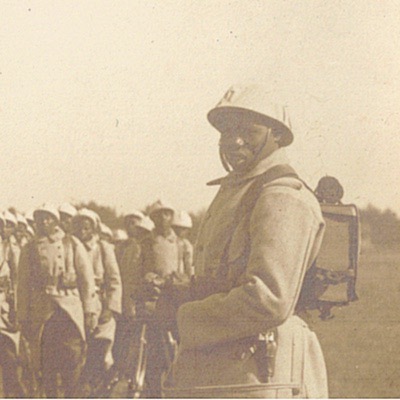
x=268, y=257
x=8, y=283
x=48, y=265
x=108, y=289
x=186, y=256
x=130, y=275
x=12, y=252
x=161, y=254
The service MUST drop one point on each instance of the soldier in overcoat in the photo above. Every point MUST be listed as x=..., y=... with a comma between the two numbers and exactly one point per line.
x=55, y=302
x=182, y=224
x=108, y=295
x=9, y=333
x=240, y=336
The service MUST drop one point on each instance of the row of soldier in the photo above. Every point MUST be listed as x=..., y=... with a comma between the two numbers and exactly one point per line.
x=69, y=292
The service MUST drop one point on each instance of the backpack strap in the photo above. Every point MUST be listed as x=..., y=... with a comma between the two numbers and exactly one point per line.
x=249, y=201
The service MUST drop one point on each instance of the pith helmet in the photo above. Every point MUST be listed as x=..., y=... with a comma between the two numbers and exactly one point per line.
x=89, y=214
x=49, y=208
x=30, y=231
x=68, y=209
x=134, y=213
x=21, y=219
x=254, y=101
x=10, y=217
x=29, y=216
x=146, y=223
x=182, y=219
x=120, y=235
x=105, y=230
x=159, y=205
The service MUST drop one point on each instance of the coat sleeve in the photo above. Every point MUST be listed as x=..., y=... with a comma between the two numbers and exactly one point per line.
x=283, y=228
x=85, y=275
x=112, y=278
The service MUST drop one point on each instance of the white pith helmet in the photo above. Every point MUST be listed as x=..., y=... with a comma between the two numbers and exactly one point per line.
x=134, y=213
x=146, y=223
x=120, y=235
x=159, y=205
x=21, y=219
x=106, y=230
x=68, y=209
x=182, y=219
x=10, y=217
x=89, y=214
x=255, y=101
x=49, y=208
x=29, y=216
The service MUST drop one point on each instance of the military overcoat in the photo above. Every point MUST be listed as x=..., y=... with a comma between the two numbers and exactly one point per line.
x=53, y=272
x=108, y=288
x=270, y=251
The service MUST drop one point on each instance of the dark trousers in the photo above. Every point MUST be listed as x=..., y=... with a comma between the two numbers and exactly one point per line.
x=63, y=353
x=11, y=369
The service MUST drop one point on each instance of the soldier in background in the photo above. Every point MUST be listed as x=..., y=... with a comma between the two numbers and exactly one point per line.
x=182, y=223
x=21, y=230
x=29, y=218
x=120, y=239
x=108, y=298
x=161, y=254
x=56, y=292
x=139, y=228
x=130, y=221
x=67, y=213
x=11, y=248
x=105, y=233
x=161, y=260
x=30, y=233
x=9, y=334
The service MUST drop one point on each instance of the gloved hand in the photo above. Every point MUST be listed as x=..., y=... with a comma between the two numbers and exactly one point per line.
x=105, y=316
x=90, y=322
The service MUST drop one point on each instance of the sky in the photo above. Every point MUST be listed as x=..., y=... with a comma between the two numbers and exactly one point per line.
x=107, y=101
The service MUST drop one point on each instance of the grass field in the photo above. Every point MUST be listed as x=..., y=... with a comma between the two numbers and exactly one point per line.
x=362, y=343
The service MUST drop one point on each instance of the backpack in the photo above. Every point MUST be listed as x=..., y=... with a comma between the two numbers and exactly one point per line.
x=331, y=280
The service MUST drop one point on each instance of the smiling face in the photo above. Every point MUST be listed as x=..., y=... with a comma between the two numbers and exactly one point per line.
x=244, y=142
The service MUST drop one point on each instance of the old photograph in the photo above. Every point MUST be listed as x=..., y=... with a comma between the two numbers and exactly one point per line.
x=200, y=199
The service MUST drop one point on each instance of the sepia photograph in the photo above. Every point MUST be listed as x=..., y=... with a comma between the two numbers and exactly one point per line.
x=200, y=199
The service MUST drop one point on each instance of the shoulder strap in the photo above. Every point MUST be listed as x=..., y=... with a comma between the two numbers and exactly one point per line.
x=249, y=201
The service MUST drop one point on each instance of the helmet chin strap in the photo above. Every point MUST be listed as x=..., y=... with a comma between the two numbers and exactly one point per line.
x=224, y=161
x=256, y=153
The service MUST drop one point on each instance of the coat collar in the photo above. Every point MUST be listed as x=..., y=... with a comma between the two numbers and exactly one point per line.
x=92, y=243
x=234, y=178
x=56, y=236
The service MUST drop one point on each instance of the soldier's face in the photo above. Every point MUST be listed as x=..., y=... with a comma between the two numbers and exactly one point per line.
x=46, y=223
x=130, y=225
x=85, y=229
x=9, y=229
x=20, y=231
x=66, y=222
x=163, y=219
x=242, y=142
